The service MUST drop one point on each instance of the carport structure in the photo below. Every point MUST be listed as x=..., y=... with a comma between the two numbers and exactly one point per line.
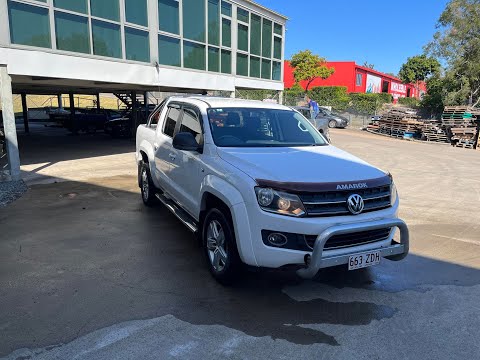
x=132, y=47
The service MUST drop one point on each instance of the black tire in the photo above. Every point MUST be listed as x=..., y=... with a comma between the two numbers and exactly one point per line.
x=147, y=188
x=332, y=124
x=229, y=265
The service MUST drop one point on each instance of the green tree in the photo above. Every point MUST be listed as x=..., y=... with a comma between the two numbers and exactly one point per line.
x=418, y=68
x=433, y=101
x=308, y=67
x=457, y=43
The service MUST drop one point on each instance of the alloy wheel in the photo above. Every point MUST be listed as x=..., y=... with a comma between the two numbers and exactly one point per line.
x=145, y=185
x=216, y=246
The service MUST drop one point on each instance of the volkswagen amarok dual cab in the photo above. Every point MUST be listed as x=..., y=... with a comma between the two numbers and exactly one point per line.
x=262, y=187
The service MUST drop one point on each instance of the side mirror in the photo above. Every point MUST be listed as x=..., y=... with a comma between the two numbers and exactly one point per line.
x=185, y=141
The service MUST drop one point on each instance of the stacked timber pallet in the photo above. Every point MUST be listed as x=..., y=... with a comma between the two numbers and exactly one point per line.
x=462, y=125
x=433, y=130
x=397, y=122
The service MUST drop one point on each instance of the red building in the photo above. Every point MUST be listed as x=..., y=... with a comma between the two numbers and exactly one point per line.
x=359, y=79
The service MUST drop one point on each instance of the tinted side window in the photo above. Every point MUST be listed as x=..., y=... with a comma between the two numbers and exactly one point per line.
x=171, y=121
x=306, y=113
x=191, y=124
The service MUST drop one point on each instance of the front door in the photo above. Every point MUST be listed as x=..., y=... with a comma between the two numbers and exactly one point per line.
x=186, y=172
x=164, y=152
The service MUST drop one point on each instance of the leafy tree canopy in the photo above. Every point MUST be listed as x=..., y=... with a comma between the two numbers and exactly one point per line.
x=418, y=68
x=308, y=67
x=457, y=43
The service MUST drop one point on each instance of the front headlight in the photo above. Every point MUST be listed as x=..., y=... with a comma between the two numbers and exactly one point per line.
x=394, y=194
x=279, y=202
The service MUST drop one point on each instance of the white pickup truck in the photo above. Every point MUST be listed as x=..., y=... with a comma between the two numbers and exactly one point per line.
x=262, y=187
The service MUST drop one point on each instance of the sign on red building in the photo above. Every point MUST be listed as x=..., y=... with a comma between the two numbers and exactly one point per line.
x=398, y=90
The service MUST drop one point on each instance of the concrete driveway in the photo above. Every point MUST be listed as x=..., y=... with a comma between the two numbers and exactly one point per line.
x=86, y=272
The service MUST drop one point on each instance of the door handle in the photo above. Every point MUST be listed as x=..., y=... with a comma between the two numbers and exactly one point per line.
x=155, y=146
x=172, y=156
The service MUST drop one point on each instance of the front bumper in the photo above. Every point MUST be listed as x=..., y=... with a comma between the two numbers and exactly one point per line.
x=395, y=252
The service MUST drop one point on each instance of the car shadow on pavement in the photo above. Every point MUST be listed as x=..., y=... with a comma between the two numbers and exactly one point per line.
x=77, y=257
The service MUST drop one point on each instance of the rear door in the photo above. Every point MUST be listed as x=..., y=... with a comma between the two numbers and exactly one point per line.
x=186, y=172
x=164, y=152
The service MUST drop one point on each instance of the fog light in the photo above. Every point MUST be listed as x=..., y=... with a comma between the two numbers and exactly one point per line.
x=277, y=239
x=307, y=259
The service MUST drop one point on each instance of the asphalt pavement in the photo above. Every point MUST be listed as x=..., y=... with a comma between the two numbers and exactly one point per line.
x=87, y=272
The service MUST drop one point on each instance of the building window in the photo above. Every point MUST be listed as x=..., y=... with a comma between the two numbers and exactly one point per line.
x=359, y=81
x=266, y=69
x=213, y=59
x=137, y=45
x=168, y=16
x=278, y=29
x=267, y=38
x=213, y=22
x=29, y=25
x=242, y=37
x=255, y=34
x=72, y=33
x=79, y=6
x=226, y=62
x=242, y=15
x=226, y=33
x=106, y=39
x=168, y=51
x=277, y=71
x=136, y=12
x=106, y=9
x=193, y=55
x=277, y=47
x=194, y=20
x=254, y=67
x=226, y=9
x=242, y=64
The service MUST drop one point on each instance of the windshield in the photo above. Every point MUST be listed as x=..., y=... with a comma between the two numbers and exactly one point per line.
x=246, y=127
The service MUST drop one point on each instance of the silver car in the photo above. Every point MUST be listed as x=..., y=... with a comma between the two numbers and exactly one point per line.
x=320, y=123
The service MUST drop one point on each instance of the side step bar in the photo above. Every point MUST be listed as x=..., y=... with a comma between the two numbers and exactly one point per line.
x=181, y=214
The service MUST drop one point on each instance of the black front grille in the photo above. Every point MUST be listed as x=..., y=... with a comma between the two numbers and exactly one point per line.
x=351, y=239
x=334, y=203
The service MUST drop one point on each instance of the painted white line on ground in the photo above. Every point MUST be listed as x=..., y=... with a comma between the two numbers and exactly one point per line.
x=469, y=241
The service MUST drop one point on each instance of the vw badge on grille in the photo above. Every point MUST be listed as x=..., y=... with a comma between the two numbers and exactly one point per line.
x=355, y=204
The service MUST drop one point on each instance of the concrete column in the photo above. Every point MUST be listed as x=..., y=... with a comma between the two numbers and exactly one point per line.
x=133, y=96
x=233, y=94
x=9, y=123
x=72, y=113
x=60, y=101
x=25, y=113
x=280, y=97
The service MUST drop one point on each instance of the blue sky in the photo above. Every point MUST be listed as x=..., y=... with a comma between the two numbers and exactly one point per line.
x=383, y=32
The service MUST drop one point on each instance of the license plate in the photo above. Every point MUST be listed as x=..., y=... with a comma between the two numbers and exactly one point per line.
x=363, y=260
